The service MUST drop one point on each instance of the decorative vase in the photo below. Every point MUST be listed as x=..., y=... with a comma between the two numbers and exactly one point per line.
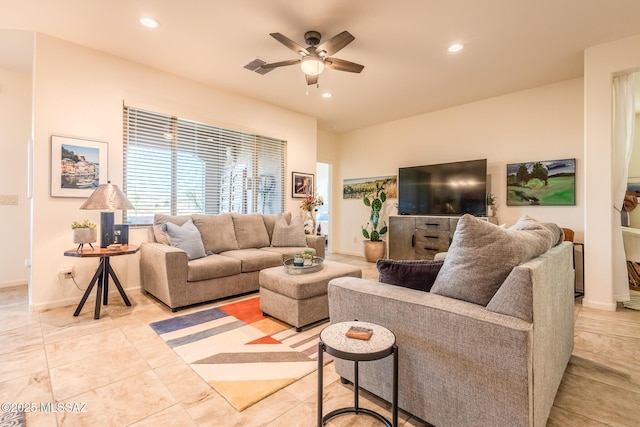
x=374, y=250
x=494, y=210
x=85, y=235
x=309, y=222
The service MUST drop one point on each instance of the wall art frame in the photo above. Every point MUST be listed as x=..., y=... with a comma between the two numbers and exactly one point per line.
x=78, y=166
x=357, y=188
x=542, y=183
x=302, y=184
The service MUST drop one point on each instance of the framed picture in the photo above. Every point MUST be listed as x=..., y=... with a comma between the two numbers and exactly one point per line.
x=543, y=183
x=78, y=166
x=302, y=184
x=357, y=188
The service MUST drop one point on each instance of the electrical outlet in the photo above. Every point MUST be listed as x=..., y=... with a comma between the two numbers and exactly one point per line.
x=66, y=272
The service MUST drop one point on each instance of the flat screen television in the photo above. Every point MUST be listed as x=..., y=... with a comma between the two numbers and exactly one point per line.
x=443, y=189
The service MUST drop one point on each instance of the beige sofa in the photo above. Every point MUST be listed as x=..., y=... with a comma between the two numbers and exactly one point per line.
x=469, y=364
x=238, y=247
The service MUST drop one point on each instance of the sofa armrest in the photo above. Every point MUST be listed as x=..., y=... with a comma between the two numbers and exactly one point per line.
x=451, y=353
x=317, y=243
x=163, y=271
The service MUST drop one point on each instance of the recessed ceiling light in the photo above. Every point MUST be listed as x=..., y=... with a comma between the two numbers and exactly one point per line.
x=149, y=22
x=456, y=47
x=326, y=95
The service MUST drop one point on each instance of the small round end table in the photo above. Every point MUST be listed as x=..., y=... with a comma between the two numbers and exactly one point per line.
x=334, y=341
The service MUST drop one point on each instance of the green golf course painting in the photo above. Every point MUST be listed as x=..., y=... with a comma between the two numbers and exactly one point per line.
x=544, y=183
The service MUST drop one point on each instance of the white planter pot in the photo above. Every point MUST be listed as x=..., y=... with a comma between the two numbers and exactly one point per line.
x=85, y=235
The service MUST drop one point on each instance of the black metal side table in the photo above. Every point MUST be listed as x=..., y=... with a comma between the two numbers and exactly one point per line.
x=382, y=343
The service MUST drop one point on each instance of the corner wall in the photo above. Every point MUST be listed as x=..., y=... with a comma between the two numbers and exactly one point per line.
x=80, y=92
x=544, y=123
x=15, y=131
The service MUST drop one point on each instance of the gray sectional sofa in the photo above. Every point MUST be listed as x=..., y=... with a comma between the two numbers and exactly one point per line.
x=496, y=361
x=232, y=250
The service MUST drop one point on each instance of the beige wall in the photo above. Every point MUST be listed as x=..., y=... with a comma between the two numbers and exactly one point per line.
x=602, y=63
x=538, y=124
x=15, y=131
x=80, y=92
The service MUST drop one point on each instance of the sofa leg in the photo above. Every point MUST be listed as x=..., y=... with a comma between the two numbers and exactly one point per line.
x=343, y=380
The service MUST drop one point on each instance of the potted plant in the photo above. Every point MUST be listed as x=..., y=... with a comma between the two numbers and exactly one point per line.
x=84, y=232
x=374, y=247
x=491, y=202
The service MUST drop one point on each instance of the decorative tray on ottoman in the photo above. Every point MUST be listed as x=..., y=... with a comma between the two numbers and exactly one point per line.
x=316, y=265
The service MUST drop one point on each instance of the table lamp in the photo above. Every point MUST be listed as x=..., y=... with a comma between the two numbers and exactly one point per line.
x=107, y=196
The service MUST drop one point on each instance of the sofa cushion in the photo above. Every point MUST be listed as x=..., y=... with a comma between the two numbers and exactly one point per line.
x=515, y=296
x=288, y=234
x=270, y=221
x=250, y=231
x=255, y=259
x=185, y=237
x=482, y=255
x=217, y=232
x=419, y=274
x=212, y=267
x=159, y=220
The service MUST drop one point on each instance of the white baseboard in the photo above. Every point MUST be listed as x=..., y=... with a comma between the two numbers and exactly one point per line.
x=599, y=305
x=13, y=283
x=74, y=301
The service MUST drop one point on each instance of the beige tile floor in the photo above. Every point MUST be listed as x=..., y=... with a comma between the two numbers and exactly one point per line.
x=127, y=376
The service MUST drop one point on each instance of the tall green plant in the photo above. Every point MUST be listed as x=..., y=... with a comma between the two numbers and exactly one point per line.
x=375, y=203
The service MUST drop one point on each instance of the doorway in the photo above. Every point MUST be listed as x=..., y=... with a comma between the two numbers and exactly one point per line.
x=323, y=188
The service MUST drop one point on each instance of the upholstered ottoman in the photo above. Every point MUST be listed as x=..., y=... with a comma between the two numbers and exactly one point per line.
x=300, y=299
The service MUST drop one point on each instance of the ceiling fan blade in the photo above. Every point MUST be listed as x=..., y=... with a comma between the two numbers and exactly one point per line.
x=290, y=44
x=336, y=43
x=281, y=63
x=311, y=80
x=342, y=65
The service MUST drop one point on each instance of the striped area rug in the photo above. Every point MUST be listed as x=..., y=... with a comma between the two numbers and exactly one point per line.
x=242, y=354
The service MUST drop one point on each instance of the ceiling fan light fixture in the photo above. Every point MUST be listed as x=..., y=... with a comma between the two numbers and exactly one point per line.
x=312, y=66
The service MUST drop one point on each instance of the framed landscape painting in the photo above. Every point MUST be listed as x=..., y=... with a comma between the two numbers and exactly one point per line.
x=542, y=183
x=78, y=166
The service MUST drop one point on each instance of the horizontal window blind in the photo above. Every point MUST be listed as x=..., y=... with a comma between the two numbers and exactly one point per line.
x=175, y=166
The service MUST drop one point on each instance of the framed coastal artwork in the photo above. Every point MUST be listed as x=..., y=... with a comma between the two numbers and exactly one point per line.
x=542, y=183
x=78, y=166
x=302, y=184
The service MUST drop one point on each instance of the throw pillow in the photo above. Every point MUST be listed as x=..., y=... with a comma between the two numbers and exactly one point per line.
x=270, y=221
x=515, y=296
x=482, y=255
x=186, y=237
x=250, y=231
x=158, y=222
x=418, y=275
x=289, y=235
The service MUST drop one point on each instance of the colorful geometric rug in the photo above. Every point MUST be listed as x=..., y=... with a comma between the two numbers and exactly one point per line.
x=242, y=354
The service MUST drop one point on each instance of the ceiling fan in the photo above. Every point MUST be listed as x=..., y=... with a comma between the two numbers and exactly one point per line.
x=315, y=57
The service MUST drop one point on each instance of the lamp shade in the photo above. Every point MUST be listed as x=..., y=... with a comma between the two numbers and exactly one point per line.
x=108, y=197
x=312, y=65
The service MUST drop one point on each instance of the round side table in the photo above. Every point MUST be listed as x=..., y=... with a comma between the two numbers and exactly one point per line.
x=382, y=343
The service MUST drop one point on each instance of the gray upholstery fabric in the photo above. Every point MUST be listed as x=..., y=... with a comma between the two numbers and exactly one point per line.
x=212, y=267
x=300, y=299
x=288, y=252
x=159, y=220
x=288, y=234
x=186, y=237
x=482, y=255
x=255, y=259
x=461, y=364
x=250, y=231
x=270, y=221
x=514, y=298
x=217, y=232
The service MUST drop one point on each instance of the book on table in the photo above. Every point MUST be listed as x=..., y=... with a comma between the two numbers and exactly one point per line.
x=359, y=333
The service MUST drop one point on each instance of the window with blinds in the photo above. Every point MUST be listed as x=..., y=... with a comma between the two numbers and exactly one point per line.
x=175, y=166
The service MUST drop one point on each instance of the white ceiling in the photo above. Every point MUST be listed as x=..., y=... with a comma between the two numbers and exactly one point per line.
x=510, y=45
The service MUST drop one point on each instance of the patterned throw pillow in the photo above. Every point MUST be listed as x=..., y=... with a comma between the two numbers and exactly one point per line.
x=418, y=274
x=185, y=237
x=289, y=235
